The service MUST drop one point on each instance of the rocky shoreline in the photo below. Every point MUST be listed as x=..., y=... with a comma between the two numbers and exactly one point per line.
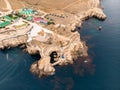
x=57, y=48
x=43, y=67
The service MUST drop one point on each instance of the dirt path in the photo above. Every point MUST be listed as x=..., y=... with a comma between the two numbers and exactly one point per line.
x=9, y=7
x=71, y=4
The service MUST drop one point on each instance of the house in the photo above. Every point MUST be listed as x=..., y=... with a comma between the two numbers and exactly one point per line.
x=37, y=19
x=26, y=12
x=44, y=21
x=29, y=18
x=7, y=18
x=40, y=20
x=4, y=24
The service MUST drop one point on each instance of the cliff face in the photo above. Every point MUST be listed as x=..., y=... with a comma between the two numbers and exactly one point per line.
x=43, y=67
x=13, y=38
x=67, y=49
x=13, y=42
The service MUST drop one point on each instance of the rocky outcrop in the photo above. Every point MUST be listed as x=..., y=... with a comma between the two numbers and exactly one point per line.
x=95, y=12
x=43, y=67
x=12, y=38
x=13, y=42
x=68, y=49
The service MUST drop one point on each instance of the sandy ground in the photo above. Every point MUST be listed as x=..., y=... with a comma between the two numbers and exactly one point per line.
x=8, y=6
x=16, y=4
x=2, y=5
x=72, y=6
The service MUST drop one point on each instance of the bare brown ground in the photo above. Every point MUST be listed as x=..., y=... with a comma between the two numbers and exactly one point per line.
x=2, y=5
x=16, y=4
x=71, y=6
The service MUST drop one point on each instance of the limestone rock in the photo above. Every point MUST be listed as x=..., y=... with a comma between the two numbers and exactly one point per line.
x=43, y=67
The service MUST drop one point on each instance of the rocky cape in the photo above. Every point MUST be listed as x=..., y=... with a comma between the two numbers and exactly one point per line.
x=62, y=46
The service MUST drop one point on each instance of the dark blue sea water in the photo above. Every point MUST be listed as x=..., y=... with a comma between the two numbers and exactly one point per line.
x=104, y=50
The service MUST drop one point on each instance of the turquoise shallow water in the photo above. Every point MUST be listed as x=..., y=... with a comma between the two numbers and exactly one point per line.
x=104, y=49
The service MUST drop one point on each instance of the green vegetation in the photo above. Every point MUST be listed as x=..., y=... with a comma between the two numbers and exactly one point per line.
x=8, y=18
x=4, y=24
x=18, y=14
x=50, y=22
x=29, y=18
x=14, y=17
x=26, y=11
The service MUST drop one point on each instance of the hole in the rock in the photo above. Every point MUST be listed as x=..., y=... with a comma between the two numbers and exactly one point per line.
x=53, y=55
x=36, y=56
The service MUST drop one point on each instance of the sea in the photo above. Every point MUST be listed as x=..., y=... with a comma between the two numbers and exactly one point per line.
x=102, y=72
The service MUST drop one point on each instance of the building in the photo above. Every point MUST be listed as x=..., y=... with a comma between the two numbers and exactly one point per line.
x=7, y=18
x=37, y=19
x=40, y=20
x=44, y=21
x=4, y=24
x=27, y=12
x=29, y=18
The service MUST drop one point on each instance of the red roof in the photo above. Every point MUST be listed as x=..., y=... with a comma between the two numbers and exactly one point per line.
x=37, y=18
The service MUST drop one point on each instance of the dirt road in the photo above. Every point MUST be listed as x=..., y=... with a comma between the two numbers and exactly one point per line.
x=9, y=7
